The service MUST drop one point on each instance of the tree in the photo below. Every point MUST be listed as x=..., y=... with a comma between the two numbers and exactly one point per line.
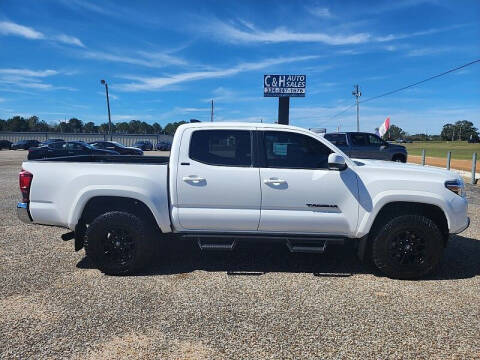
x=394, y=132
x=3, y=125
x=157, y=129
x=122, y=127
x=75, y=125
x=461, y=130
x=90, y=127
x=170, y=128
x=17, y=123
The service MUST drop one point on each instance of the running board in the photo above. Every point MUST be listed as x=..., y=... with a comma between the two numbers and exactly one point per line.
x=223, y=245
x=309, y=246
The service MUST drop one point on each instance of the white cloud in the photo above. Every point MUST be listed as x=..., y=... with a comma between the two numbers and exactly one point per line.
x=243, y=32
x=10, y=28
x=225, y=95
x=155, y=83
x=110, y=95
x=320, y=12
x=143, y=58
x=31, y=79
x=71, y=40
x=426, y=51
x=251, y=34
x=28, y=72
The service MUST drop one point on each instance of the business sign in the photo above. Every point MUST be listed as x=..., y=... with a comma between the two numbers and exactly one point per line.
x=284, y=85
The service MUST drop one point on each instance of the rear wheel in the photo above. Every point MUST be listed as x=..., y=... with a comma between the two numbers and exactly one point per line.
x=407, y=247
x=117, y=243
x=399, y=158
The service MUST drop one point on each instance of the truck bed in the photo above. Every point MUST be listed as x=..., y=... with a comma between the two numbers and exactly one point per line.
x=61, y=187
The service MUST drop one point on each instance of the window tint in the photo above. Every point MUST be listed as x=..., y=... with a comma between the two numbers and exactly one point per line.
x=56, y=145
x=221, y=147
x=358, y=139
x=374, y=140
x=337, y=139
x=294, y=151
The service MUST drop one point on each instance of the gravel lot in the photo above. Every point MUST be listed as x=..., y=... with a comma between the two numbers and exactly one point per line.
x=248, y=304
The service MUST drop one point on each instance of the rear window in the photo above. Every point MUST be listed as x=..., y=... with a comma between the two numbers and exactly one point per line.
x=222, y=147
x=336, y=139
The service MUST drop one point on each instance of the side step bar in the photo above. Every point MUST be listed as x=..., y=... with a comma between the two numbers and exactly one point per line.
x=223, y=245
x=309, y=246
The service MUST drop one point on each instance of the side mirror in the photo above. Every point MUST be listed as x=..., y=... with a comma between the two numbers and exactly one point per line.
x=336, y=162
x=383, y=147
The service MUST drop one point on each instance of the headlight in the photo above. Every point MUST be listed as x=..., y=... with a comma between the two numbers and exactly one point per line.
x=457, y=186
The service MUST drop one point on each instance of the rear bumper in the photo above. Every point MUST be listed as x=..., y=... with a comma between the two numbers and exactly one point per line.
x=23, y=213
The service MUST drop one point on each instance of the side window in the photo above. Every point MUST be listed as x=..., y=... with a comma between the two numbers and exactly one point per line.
x=375, y=140
x=337, y=139
x=294, y=151
x=358, y=139
x=221, y=147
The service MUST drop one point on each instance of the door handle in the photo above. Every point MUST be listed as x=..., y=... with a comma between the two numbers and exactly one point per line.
x=274, y=181
x=193, y=178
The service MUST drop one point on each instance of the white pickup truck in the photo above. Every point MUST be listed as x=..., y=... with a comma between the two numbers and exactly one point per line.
x=228, y=182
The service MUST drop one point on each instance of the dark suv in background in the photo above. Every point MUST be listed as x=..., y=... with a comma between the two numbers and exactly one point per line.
x=25, y=144
x=115, y=146
x=362, y=145
x=143, y=145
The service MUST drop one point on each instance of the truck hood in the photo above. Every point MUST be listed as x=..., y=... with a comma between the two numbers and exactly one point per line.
x=394, y=167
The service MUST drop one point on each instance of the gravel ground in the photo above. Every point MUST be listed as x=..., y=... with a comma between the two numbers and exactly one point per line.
x=254, y=303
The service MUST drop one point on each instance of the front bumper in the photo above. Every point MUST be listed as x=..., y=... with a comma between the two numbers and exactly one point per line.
x=23, y=213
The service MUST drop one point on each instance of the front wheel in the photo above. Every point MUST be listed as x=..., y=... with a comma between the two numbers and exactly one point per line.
x=117, y=243
x=407, y=247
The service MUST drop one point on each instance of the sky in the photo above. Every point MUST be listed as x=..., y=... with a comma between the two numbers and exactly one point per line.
x=165, y=61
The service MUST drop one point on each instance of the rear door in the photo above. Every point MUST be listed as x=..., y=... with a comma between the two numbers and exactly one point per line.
x=340, y=141
x=359, y=146
x=217, y=186
x=299, y=193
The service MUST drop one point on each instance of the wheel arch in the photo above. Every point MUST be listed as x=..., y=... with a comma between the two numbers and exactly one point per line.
x=101, y=204
x=396, y=208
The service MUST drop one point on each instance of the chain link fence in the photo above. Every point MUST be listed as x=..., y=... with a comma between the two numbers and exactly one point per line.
x=126, y=139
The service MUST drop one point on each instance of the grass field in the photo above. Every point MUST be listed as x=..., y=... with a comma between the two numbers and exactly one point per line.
x=460, y=149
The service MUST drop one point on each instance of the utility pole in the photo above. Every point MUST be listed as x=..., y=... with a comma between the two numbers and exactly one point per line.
x=103, y=82
x=356, y=92
x=211, y=113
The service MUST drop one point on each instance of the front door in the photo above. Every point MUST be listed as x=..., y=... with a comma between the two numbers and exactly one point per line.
x=299, y=193
x=217, y=187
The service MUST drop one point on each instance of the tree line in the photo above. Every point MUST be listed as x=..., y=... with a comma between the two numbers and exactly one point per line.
x=461, y=130
x=74, y=125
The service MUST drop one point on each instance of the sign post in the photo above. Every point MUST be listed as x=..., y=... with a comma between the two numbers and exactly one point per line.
x=284, y=87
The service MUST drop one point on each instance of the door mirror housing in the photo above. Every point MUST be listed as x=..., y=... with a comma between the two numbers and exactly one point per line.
x=336, y=162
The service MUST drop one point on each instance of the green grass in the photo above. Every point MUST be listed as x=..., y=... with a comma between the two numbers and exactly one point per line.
x=459, y=149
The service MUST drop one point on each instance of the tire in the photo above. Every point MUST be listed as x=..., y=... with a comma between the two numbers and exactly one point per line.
x=399, y=158
x=118, y=243
x=407, y=247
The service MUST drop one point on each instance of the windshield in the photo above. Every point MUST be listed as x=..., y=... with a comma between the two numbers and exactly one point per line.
x=117, y=144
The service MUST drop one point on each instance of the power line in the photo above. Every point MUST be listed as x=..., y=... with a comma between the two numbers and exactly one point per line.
x=343, y=111
x=405, y=87
x=419, y=82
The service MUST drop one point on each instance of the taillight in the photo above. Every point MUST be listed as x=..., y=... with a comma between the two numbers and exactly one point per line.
x=25, y=180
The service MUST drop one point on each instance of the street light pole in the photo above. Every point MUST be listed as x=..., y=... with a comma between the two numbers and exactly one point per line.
x=103, y=82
